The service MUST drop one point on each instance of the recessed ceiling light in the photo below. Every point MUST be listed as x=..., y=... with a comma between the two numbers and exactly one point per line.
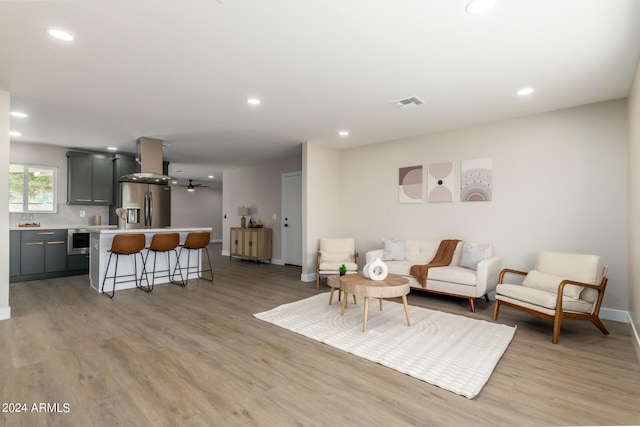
x=174, y=182
x=61, y=35
x=253, y=101
x=19, y=114
x=343, y=133
x=525, y=91
x=476, y=7
x=14, y=133
x=210, y=176
x=112, y=148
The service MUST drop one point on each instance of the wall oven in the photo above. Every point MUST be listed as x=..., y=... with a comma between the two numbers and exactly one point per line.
x=78, y=241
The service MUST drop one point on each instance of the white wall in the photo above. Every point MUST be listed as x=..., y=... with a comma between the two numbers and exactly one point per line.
x=321, y=197
x=559, y=183
x=258, y=188
x=5, y=310
x=200, y=208
x=634, y=202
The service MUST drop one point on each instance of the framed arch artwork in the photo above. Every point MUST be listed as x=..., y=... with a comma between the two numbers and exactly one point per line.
x=440, y=182
x=410, y=188
x=476, y=181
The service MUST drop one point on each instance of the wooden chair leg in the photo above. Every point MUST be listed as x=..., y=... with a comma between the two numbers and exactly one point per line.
x=472, y=305
x=486, y=298
x=596, y=321
x=557, y=323
x=496, y=310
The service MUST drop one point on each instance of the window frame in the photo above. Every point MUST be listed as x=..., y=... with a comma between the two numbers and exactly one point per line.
x=25, y=187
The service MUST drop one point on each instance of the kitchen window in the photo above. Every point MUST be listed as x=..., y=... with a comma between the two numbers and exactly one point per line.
x=33, y=188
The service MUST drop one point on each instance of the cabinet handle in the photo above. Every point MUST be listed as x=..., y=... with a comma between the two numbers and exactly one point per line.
x=33, y=243
x=45, y=232
x=60, y=242
x=101, y=200
x=83, y=200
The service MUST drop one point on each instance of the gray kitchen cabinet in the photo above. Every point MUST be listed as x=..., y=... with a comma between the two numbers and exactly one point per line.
x=43, y=251
x=14, y=252
x=42, y=254
x=89, y=178
x=78, y=263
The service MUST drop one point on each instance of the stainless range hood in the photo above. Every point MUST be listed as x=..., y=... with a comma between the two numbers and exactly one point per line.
x=149, y=157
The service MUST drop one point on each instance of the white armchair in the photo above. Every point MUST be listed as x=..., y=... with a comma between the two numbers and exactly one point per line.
x=562, y=285
x=332, y=254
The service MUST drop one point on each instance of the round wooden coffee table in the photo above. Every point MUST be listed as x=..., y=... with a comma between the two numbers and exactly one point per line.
x=391, y=287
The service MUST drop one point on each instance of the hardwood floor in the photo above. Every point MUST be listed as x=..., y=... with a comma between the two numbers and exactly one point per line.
x=196, y=356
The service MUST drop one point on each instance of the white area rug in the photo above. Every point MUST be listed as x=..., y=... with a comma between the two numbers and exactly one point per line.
x=453, y=352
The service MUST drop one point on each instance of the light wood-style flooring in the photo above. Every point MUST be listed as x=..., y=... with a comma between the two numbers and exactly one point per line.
x=196, y=356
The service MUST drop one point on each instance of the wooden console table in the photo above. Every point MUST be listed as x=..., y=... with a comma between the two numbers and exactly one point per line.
x=251, y=243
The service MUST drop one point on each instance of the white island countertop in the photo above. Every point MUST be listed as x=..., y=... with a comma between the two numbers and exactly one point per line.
x=149, y=230
x=99, y=254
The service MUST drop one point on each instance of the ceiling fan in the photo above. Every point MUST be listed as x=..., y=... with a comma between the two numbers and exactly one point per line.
x=192, y=186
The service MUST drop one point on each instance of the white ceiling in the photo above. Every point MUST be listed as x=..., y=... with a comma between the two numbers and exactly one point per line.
x=181, y=71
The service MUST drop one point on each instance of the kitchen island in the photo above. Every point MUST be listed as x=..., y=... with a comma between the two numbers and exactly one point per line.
x=101, y=240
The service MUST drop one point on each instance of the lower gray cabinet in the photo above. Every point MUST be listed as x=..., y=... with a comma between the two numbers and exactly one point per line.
x=42, y=254
x=14, y=253
x=43, y=251
x=78, y=262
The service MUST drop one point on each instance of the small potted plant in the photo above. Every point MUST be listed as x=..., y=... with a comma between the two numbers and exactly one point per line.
x=342, y=270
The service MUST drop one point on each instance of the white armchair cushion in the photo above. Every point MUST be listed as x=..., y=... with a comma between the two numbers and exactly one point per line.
x=329, y=256
x=578, y=267
x=539, y=300
x=337, y=245
x=549, y=283
x=335, y=265
x=394, y=250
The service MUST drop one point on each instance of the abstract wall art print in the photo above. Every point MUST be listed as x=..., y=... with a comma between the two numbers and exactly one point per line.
x=410, y=185
x=440, y=182
x=476, y=182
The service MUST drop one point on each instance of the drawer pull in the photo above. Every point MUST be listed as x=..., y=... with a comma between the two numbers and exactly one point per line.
x=33, y=243
x=45, y=232
x=57, y=242
x=83, y=200
x=101, y=200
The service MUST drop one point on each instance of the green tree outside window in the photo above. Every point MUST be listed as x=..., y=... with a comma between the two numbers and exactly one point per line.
x=32, y=188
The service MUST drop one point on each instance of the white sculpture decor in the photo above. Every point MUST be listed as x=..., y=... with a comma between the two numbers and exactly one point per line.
x=375, y=270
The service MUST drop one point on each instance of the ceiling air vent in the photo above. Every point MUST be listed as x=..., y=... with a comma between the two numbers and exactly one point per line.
x=403, y=104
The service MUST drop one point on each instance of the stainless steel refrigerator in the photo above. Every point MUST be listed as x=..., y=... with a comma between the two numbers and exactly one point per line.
x=147, y=205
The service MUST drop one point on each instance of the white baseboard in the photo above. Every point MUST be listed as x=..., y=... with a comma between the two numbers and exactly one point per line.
x=215, y=241
x=5, y=313
x=277, y=261
x=634, y=330
x=226, y=253
x=615, y=315
x=311, y=277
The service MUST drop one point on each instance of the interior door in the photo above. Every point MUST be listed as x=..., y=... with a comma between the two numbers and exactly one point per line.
x=292, y=218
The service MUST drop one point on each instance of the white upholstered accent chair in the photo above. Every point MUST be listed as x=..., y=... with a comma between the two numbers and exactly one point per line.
x=562, y=285
x=333, y=253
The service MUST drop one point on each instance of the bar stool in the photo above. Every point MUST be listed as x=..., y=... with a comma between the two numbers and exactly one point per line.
x=196, y=241
x=165, y=242
x=127, y=244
